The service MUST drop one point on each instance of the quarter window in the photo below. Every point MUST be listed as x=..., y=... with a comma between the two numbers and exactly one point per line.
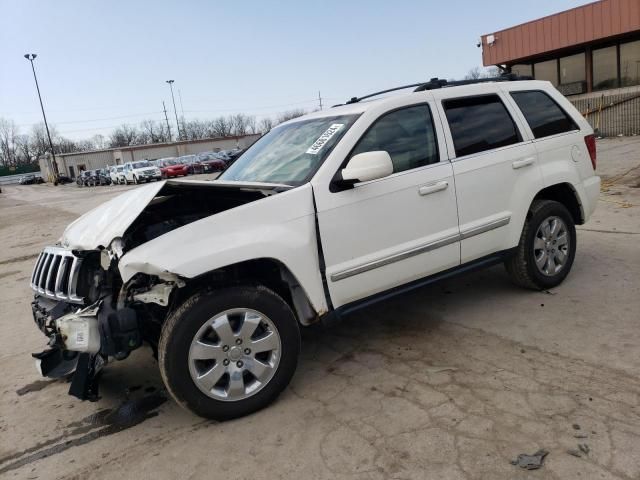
x=408, y=135
x=543, y=114
x=479, y=123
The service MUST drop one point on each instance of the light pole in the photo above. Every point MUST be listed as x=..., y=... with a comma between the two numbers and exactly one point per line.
x=175, y=111
x=31, y=57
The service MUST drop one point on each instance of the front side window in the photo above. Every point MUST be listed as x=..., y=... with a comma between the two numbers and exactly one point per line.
x=479, y=123
x=290, y=154
x=407, y=135
x=543, y=114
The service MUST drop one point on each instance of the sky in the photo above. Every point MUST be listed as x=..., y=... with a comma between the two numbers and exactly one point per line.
x=102, y=64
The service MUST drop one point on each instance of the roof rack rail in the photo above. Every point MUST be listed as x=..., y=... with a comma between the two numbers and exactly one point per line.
x=435, y=83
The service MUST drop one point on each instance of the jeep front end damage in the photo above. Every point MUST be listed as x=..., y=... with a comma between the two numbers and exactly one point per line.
x=89, y=316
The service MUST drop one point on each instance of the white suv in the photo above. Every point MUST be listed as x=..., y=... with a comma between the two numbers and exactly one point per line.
x=141, y=171
x=116, y=172
x=323, y=215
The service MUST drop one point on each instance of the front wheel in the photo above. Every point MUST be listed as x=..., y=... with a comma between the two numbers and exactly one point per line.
x=228, y=353
x=547, y=247
x=135, y=180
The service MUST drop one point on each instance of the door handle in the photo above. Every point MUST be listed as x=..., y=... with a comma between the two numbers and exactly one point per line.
x=436, y=187
x=523, y=163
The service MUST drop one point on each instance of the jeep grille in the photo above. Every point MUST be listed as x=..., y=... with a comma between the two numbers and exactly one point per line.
x=56, y=275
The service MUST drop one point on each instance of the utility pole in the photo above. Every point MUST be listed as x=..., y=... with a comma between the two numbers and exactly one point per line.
x=175, y=111
x=181, y=105
x=167, y=119
x=181, y=108
x=320, y=99
x=31, y=57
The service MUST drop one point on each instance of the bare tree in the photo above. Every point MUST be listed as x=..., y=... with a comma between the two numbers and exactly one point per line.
x=265, y=125
x=477, y=73
x=195, y=129
x=240, y=124
x=8, y=134
x=289, y=114
x=152, y=131
x=98, y=141
x=123, y=136
x=221, y=127
x=40, y=140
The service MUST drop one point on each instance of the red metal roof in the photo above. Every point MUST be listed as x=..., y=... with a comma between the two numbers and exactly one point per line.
x=588, y=23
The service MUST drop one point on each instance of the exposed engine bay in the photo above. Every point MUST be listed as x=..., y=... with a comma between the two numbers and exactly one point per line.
x=86, y=310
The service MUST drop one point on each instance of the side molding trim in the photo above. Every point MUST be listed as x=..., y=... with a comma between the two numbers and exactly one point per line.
x=427, y=247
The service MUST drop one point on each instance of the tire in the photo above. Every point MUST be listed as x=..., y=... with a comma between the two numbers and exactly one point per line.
x=135, y=180
x=186, y=324
x=542, y=261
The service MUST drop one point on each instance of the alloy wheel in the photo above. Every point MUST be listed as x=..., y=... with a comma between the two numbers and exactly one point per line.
x=551, y=246
x=234, y=354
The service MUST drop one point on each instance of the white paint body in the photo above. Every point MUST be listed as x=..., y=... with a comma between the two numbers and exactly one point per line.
x=131, y=173
x=382, y=233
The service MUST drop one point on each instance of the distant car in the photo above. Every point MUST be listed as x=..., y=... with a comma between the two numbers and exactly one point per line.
x=211, y=162
x=83, y=177
x=192, y=163
x=30, y=179
x=141, y=171
x=116, y=173
x=62, y=179
x=102, y=177
x=230, y=156
x=170, y=167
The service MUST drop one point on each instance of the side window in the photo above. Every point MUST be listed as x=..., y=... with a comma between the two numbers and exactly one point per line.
x=408, y=135
x=543, y=114
x=479, y=123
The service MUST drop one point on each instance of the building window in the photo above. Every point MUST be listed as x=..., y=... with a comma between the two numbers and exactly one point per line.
x=547, y=71
x=479, y=123
x=572, y=69
x=522, y=70
x=630, y=64
x=605, y=68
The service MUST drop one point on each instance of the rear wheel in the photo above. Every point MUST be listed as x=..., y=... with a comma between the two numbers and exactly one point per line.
x=228, y=353
x=547, y=247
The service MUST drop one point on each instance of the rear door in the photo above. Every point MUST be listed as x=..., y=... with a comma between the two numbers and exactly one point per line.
x=496, y=171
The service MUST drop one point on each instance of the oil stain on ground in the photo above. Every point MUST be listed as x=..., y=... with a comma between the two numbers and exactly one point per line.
x=100, y=424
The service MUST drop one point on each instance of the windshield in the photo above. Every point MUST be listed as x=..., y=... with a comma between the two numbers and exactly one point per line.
x=290, y=154
x=141, y=164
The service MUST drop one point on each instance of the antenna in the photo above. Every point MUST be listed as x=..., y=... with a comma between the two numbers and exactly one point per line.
x=320, y=99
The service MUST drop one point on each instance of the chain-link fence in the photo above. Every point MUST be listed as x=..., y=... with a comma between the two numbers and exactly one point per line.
x=612, y=115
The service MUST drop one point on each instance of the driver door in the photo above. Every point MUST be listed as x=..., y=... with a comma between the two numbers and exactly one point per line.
x=387, y=232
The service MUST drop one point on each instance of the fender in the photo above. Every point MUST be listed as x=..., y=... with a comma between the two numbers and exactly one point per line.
x=281, y=227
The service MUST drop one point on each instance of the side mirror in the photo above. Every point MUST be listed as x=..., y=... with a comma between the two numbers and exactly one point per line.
x=367, y=166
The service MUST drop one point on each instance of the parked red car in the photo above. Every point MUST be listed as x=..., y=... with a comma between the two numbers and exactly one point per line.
x=211, y=163
x=170, y=167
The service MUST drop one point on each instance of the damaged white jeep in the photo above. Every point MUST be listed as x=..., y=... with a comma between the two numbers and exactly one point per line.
x=325, y=214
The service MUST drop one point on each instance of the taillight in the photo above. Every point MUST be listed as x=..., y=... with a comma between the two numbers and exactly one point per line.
x=590, y=142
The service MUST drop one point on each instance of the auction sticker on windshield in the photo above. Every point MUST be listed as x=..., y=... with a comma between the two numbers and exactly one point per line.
x=324, y=138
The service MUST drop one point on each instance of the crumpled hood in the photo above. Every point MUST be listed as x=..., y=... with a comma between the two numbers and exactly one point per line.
x=98, y=227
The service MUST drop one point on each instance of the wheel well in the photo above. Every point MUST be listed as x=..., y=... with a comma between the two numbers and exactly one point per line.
x=566, y=195
x=263, y=271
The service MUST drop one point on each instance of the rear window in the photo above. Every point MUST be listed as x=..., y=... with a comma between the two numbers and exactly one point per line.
x=543, y=114
x=479, y=123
